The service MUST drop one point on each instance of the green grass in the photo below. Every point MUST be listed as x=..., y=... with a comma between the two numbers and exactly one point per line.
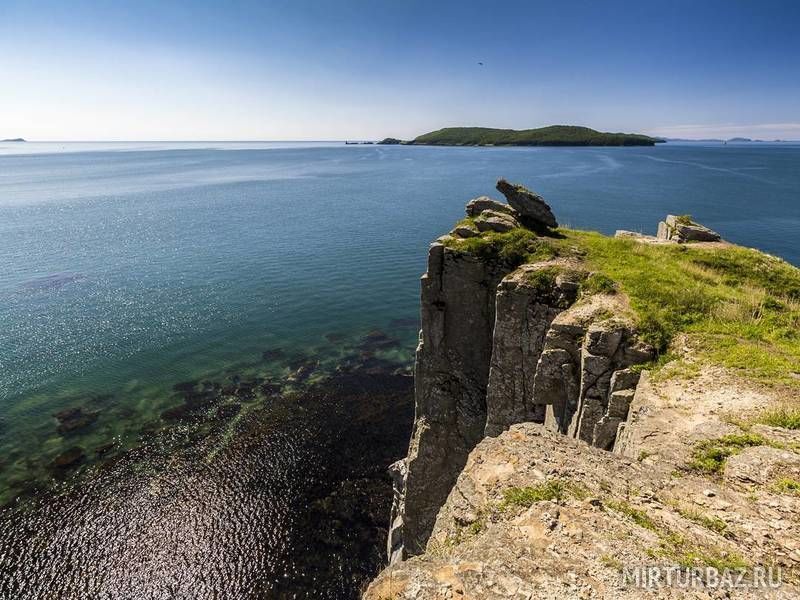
x=740, y=307
x=783, y=416
x=637, y=516
x=787, y=485
x=555, y=490
x=709, y=456
x=678, y=549
x=714, y=524
x=525, y=497
x=556, y=135
x=515, y=247
x=542, y=281
x=611, y=562
x=599, y=283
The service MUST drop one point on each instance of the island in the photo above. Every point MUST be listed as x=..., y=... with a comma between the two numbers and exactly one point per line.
x=555, y=135
x=13, y=140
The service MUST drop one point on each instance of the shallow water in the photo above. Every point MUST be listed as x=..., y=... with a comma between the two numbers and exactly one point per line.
x=129, y=268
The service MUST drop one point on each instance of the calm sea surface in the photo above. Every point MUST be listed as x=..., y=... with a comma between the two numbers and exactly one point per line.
x=128, y=268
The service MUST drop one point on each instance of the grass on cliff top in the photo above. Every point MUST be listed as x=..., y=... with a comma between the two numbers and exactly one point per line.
x=740, y=307
x=516, y=247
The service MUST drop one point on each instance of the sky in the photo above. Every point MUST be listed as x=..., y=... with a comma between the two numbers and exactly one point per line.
x=367, y=69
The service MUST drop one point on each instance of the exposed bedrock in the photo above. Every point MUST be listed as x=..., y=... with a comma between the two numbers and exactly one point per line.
x=451, y=375
x=583, y=376
x=524, y=311
x=499, y=346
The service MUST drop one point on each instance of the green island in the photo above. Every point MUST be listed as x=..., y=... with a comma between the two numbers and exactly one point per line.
x=555, y=135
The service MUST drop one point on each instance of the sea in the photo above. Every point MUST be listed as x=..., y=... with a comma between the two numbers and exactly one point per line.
x=206, y=347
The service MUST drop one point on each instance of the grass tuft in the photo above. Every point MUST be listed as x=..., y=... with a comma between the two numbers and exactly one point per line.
x=709, y=456
x=784, y=416
x=787, y=485
x=636, y=515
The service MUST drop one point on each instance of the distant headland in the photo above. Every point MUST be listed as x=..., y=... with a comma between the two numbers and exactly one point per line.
x=555, y=135
x=13, y=140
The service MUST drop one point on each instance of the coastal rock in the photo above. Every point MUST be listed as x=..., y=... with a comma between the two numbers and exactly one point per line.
x=69, y=458
x=682, y=229
x=477, y=205
x=490, y=220
x=606, y=513
x=532, y=208
x=524, y=311
x=74, y=419
x=501, y=346
x=463, y=231
x=451, y=375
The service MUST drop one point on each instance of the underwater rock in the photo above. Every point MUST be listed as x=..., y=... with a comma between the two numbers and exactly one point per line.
x=273, y=354
x=408, y=322
x=195, y=400
x=181, y=412
x=269, y=388
x=303, y=372
x=185, y=386
x=69, y=458
x=246, y=390
x=335, y=337
x=105, y=448
x=378, y=340
x=74, y=419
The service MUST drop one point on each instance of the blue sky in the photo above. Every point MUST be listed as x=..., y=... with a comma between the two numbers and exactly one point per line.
x=336, y=69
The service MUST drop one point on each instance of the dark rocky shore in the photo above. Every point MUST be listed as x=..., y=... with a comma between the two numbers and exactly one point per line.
x=246, y=488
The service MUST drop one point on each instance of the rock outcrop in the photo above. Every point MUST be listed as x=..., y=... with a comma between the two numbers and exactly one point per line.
x=682, y=229
x=502, y=345
x=597, y=517
x=531, y=207
x=583, y=375
x=545, y=460
x=451, y=375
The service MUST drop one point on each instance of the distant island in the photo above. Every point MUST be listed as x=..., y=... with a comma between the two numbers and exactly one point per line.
x=555, y=135
x=13, y=140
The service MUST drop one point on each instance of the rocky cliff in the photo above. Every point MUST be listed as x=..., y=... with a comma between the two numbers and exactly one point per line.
x=523, y=323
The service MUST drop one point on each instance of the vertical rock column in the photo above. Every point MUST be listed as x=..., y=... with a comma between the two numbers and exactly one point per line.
x=584, y=376
x=451, y=375
x=525, y=311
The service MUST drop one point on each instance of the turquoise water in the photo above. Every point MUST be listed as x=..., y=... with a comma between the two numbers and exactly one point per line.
x=125, y=267
x=131, y=267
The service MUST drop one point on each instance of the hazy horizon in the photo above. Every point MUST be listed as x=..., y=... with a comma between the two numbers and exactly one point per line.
x=310, y=70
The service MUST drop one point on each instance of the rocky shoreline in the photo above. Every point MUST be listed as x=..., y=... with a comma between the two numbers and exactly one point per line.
x=288, y=474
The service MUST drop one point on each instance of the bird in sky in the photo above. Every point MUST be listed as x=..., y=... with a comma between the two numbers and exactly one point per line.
x=480, y=63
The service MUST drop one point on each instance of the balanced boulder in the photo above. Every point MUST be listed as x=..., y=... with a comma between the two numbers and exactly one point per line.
x=533, y=210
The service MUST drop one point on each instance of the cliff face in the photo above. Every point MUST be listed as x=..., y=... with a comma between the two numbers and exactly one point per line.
x=528, y=384
x=451, y=374
x=504, y=344
x=501, y=346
